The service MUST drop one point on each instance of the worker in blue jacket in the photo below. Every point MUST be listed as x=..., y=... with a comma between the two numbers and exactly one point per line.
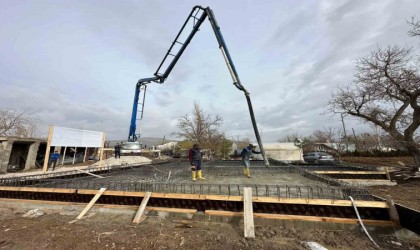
x=53, y=159
x=246, y=156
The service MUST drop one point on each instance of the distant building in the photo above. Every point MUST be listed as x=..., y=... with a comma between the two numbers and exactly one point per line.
x=21, y=153
x=282, y=151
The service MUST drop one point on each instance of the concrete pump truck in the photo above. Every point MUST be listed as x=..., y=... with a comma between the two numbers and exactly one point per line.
x=197, y=16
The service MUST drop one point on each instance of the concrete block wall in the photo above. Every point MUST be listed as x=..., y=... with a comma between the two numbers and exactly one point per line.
x=5, y=151
x=31, y=158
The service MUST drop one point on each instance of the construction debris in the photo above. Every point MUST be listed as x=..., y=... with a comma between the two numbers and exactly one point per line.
x=35, y=213
x=404, y=172
x=313, y=246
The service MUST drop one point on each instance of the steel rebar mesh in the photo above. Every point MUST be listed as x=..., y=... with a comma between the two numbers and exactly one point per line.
x=174, y=177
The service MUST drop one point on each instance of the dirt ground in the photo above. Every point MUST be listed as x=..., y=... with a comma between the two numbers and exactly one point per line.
x=407, y=194
x=52, y=231
x=379, y=161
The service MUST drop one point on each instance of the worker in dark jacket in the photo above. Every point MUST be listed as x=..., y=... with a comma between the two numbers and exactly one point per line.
x=195, y=156
x=246, y=156
x=117, y=149
x=53, y=159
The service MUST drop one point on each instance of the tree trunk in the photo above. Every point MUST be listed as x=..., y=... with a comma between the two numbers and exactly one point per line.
x=416, y=156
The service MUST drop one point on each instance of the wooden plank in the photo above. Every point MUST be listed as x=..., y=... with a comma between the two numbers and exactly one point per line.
x=86, y=172
x=40, y=190
x=179, y=196
x=142, y=194
x=224, y=198
x=142, y=207
x=348, y=172
x=300, y=218
x=91, y=203
x=327, y=202
x=84, y=155
x=87, y=216
x=321, y=202
x=102, y=150
x=172, y=210
x=248, y=214
x=47, y=153
x=110, y=206
x=365, y=180
x=61, y=203
x=393, y=213
x=387, y=173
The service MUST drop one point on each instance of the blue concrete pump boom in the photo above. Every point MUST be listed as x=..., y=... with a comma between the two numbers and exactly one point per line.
x=197, y=15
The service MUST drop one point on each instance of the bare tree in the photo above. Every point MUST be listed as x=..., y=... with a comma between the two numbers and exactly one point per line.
x=17, y=123
x=385, y=92
x=326, y=135
x=202, y=128
x=415, y=27
x=290, y=138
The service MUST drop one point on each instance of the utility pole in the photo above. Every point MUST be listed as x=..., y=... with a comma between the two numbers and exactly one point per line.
x=355, y=140
x=345, y=133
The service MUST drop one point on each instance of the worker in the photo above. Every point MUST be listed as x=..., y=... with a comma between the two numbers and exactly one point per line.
x=53, y=159
x=195, y=156
x=246, y=155
x=117, y=149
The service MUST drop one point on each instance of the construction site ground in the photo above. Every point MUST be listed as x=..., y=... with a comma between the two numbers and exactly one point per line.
x=379, y=161
x=115, y=231
x=407, y=194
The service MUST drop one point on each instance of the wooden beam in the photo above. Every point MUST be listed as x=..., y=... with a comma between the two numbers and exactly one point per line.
x=321, y=202
x=86, y=172
x=110, y=206
x=393, y=213
x=142, y=207
x=47, y=153
x=142, y=194
x=248, y=214
x=365, y=180
x=301, y=218
x=91, y=203
x=349, y=172
x=387, y=173
x=39, y=190
x=84, y=155
x=101, y=155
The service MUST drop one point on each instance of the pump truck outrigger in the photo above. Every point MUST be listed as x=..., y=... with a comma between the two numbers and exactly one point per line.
x=161, y=77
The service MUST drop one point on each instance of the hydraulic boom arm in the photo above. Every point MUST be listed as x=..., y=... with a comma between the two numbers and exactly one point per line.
x=197, y=15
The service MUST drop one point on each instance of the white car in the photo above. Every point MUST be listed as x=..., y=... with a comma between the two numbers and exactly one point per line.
x=318, y=157
x=131, y=148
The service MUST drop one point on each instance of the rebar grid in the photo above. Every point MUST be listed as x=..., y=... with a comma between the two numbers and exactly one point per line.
x=174, y=177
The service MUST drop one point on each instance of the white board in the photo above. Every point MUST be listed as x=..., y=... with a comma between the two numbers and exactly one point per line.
x=71, y=137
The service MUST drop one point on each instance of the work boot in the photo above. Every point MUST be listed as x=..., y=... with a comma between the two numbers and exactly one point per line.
x=245, y=172
x=248, y=173
x=199, y=176
x=193, y=176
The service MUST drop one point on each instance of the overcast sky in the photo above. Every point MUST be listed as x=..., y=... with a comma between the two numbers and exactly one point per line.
x=75, y=63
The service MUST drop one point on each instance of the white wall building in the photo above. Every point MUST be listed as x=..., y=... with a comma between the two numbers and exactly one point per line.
x=282, y=151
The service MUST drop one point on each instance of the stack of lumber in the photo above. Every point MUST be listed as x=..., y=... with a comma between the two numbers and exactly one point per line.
x=405, y=172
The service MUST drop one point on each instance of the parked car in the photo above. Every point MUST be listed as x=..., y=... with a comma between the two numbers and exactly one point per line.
x=318, y=157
